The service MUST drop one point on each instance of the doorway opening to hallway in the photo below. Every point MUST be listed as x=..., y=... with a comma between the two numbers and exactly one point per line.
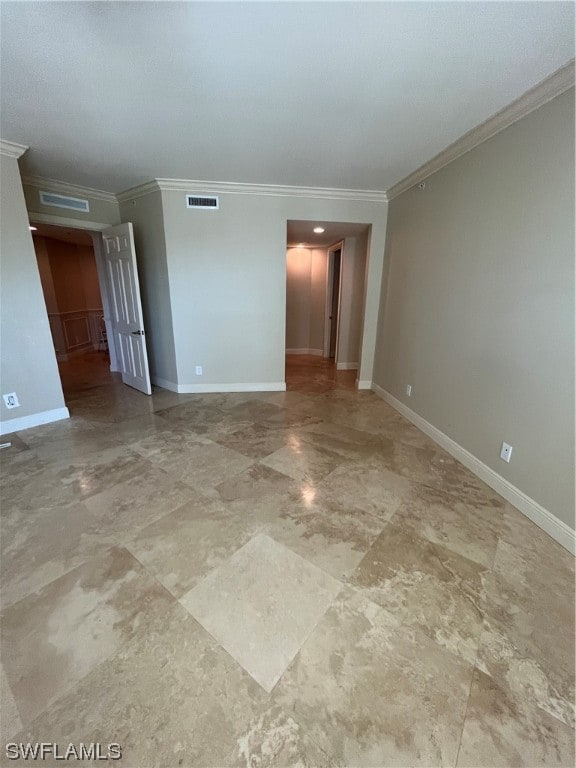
x=325, y=299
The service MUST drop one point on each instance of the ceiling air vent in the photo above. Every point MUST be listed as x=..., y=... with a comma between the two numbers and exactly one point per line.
x=63, y=201
x=209, y=202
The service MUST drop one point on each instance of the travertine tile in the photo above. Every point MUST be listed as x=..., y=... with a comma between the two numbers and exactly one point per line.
x=53, y=638
x=302, y=461
x=373, y=692
x=10, y=722
x=425, y=586
x=273, y=739
x=170, y=697
x=261, y=604
x=502, y=731
x=259, y=511
x=467, y=529
x=133, y=504
x=180, y=548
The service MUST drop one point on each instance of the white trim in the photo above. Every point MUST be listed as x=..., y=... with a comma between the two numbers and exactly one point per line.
x=63, y=221
x=543, y=92
x=258, y=386
x=139, y=191
x=305, y=351
x=164, y=383
x=360, y=384
x=12, y=149
x=274, y=190
x=228, y=187
x=544, y=519
x=34, y=420
x=347, y=367
x=71, y=190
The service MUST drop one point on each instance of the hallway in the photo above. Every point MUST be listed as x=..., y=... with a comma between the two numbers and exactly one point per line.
x=312, y=374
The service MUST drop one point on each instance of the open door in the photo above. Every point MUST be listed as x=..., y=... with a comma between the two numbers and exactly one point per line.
x=126, y=307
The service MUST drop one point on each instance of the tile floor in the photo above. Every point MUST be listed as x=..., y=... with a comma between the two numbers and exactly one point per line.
x=274, y=579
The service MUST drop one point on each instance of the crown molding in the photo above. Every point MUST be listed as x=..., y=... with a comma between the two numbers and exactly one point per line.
x=230, y=187
x=12, y=149
x=274, y=190
x=64, y=188
x=139, y=191
x=536, y=97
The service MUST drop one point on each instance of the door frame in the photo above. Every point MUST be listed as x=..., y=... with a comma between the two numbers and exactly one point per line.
x=329, y=288
x=94, y=229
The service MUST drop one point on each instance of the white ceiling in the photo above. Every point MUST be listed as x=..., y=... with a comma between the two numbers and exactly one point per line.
x=352, y=95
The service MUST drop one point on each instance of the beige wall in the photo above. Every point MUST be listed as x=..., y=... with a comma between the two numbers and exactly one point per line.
x=298, y=265
x=28, y=361
x=227, y=273
x=305, y=299
x=318, y=269
x=101, y=211
x=479, y=309
x=352, y=279
x=146, y=215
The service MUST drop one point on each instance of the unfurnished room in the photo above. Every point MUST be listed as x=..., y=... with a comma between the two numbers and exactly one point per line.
x=287, y=413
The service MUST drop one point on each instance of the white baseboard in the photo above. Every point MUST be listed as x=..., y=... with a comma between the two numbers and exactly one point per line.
x=544, y=519
x=305, y=351
x=34, y=420
x=360, y=384
x=190, y=389
x=164, y=383
x=347, y=366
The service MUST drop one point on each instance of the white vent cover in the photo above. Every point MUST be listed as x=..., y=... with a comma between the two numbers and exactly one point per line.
x=208, y=202
x=63, y=201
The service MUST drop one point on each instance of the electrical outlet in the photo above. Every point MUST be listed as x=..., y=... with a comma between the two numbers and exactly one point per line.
x=506, y=452
x=409, y=390
x=198, y=370
x=11, y=400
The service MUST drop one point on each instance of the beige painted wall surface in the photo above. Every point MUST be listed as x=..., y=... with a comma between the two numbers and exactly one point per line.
x=146, y=215
x=28, y=361
x=227, y=271
x=351, y=299
x=318, y=268
x=305, y=298
x=479, y=311
x=298, y=274
x=101, y=211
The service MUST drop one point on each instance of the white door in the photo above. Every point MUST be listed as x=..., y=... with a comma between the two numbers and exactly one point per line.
x=126, y=307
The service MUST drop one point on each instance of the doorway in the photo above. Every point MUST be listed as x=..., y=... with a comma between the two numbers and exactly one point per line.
x=76, y=299
x=333, y=303
x=325, y=300
x=92, y=295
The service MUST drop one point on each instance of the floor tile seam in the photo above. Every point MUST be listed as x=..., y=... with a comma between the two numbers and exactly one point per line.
x=7, y=606
x=26, y=724
x=522, y=657
x=468, y=698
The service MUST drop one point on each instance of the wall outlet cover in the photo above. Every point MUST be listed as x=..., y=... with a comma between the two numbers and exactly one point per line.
x=506, y=452
x=409, y=390
x=11, y=400
x=198, y=370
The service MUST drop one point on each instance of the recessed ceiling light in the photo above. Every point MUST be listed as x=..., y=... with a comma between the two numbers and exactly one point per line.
x=33, y=228
x=319, y=230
